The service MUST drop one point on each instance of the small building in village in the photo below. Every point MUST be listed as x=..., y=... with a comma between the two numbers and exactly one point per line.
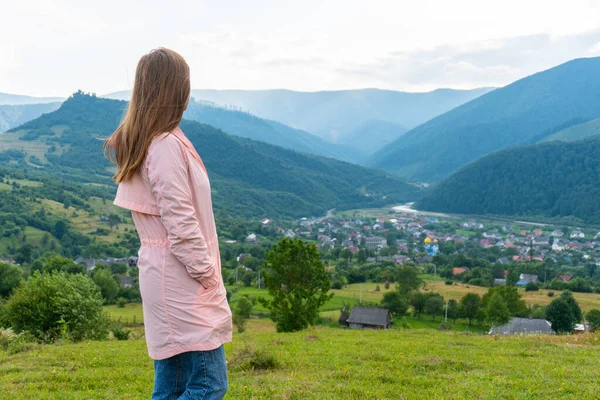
x=520, y=326
x=369, y=318
x=375, y=242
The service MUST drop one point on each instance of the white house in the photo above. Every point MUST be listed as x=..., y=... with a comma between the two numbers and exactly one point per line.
x=577, y=235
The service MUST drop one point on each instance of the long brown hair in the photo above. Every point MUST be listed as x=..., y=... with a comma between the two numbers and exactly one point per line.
x=160, y=96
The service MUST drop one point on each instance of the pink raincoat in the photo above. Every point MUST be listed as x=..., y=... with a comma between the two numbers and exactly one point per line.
x=183, y=295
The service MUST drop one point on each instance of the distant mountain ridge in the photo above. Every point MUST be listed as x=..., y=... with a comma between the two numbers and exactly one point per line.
x=243, y=124
x=503, y=118
x=17, y=99
x=248, y=178
x=332, y=115
x=15, y=115
x=553, y=179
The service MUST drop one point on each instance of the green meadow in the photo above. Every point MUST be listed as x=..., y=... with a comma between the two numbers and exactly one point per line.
x=326, y=363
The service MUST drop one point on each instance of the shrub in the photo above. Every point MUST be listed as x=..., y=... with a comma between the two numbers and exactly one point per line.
x=593, y=317
x=251, y=359
x=10, y=277
x=550, y=294
x=449, y=283
x=478, y=282
x=241, y=314
x=120, y=333
x=337, y=285
x=14, y=343
x=531, y=287
x=538, y=312
x=121, y=302
x=49, y=306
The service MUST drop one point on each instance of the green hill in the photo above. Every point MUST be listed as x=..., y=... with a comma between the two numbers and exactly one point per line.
x=554, y=179
x=243, y=124
x=503, y=118
x=15, y=115
x=577, y=132
x=249, y=178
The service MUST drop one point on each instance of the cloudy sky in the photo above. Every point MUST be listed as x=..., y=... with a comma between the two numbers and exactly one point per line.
x=54, y=47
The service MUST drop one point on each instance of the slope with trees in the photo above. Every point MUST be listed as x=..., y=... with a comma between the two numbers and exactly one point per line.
x=248, y=177
x=554, y=179
x=244, y=124
x=503, y=118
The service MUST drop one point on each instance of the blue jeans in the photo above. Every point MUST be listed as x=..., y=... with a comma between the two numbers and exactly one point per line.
x=195, y=375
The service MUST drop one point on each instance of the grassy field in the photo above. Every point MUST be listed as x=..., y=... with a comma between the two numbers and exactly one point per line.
x=327, y=363
x=350, y=295
x=587, y=301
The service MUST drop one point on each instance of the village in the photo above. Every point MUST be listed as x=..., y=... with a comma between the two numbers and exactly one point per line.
x=411, y=237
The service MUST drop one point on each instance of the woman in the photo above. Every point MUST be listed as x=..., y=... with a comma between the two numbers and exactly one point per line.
x=164, y=183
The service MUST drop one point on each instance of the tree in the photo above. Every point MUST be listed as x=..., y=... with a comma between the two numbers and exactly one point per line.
x=114, y=220
x=560, y=314
x=531, y=287
x=470, y=305
x=118, y=268
x=417, y=302
x=496, y=311
x=10, y=277
x=50, y=306
x=397, y=305
x=56, y=263
x=434, y=305
x=298, y=282
x=407, y=280
x=24, y=254
x=512, y=299
x=108, y=286
x=362, y=256
x=568, y=297
x=593, y=318
x=60, y=229
x=452, y=309
x=241, y=313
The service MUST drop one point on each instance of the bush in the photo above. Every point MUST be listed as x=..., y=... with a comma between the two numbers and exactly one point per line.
x=531, y=287
x=478, y=282
x=10, y=277
x=449, y=283
x=121, y=302
x=49, y=306
x=593, y=318
x=241, y=314
x=14, y=343
x=550, y=294
x=250, y=359
x=337, y=285
x=120, y=333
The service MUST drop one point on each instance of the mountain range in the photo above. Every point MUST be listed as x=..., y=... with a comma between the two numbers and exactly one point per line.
x=243, y=124
x=15, y=115
x=249, y=178
x=503, y=118
x=17, y=99
x=333, y=115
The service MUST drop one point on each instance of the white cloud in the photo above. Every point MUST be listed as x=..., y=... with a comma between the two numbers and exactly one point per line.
x=64, y=45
